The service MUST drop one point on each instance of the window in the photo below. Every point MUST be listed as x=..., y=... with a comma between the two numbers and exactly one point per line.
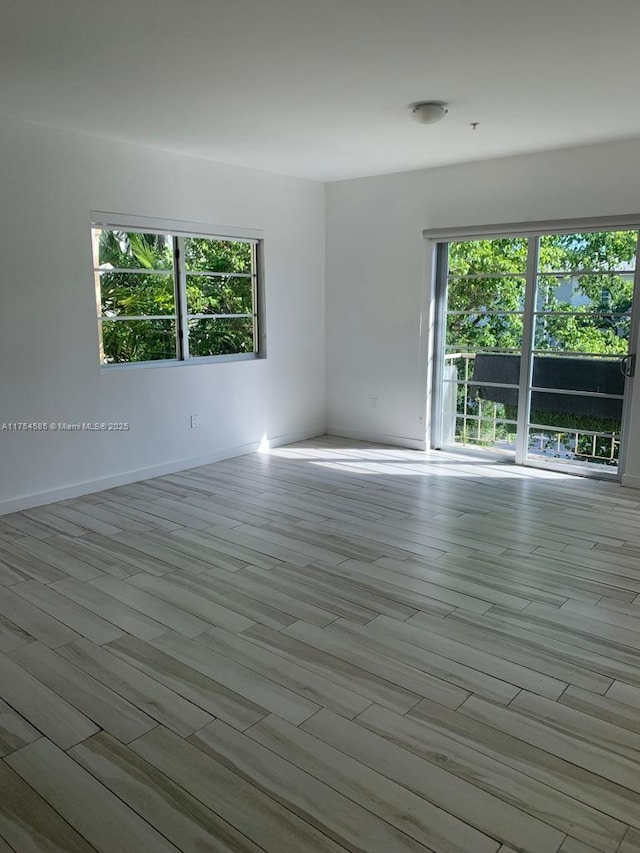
x=164, y=297
x=534, y=336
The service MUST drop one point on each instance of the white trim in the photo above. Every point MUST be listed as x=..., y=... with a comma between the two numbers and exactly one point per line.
x=209, y=274
x=378, y=437
x=574, y=469
x=436, y=361
x=182, y=308
x=572, y=392
x=178, y=362
x=219, y=316
x=525, y=380
x=631, y=481
x=88, y=487
x=176, y=227
x=132, y=270
x=532, y=228
x=137, y=318
x=427, y=341
x=630, y=382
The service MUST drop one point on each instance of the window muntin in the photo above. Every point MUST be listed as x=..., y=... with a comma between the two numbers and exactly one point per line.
x=163, y=297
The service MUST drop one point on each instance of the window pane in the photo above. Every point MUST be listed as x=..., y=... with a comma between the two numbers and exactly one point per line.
x=485, y=423
x=219, y=295
x=599, y=292
x=583, y=332
x=125, y=341
x=461, y=368
x=599, y=444
x=132, y=250
x=474, y=257
x=136, y=294
x=585, y=410
x=221, y=336
x=202, y=254
x=504, y=293
x=597, y=375
x=485, y=403
x=484, y=331
x=607, y=250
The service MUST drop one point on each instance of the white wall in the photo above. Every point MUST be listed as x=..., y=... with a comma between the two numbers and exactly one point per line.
x=377, y=270
x=377, y=341
x=49, y=182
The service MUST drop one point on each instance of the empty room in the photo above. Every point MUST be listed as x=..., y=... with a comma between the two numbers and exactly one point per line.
x=319, y=426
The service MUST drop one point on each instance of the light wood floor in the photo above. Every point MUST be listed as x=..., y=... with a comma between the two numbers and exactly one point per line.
x=330, y=647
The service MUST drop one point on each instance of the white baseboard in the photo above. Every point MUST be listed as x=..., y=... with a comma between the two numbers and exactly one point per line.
x=630, y=481
x=378, y=437
x=87, y=487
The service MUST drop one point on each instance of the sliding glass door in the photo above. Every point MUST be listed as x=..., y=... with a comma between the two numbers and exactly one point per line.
x=484, y=320
x=535, y=336
x=582, y=331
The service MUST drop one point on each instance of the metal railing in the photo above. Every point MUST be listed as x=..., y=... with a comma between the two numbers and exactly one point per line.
x=469, y=419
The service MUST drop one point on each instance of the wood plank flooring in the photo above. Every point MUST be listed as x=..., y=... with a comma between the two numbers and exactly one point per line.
x=333, y=646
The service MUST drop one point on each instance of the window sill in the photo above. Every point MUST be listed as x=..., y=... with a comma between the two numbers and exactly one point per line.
x=191, y=362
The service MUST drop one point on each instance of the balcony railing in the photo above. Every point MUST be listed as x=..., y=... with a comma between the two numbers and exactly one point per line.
x=468, y=419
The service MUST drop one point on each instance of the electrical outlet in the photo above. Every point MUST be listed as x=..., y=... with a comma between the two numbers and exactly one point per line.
x=194, y=422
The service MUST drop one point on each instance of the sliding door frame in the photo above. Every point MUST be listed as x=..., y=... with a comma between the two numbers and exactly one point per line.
x=526, y=352
x=439, y=336
x=629, y=384
x=442, y=237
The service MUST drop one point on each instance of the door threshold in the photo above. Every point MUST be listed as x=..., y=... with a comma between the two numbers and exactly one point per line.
x=575, y=469
x=493, y=456
x=480, y=454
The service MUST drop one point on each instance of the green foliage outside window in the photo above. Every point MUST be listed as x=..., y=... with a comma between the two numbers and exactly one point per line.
x=137, y=279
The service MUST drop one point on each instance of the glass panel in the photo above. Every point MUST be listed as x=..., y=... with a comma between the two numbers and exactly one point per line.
x=202, y=255
x=480, y=257
x=486, y=424
x=221, y=336
x=583, y=319
x=484, y=369
x=598, y=292
x=136, y=294
x=486, y=286
x=587, y=427
x=459, y=368
x=132, y=250
x=600, y=334
x=125, y=341
x=585, y=424
x=486, y=403
x=476, y=413
x=601, y=446
x=219, y=295
x=606, y=250
x=505, y=293
x=579, y=373
x=484, y=331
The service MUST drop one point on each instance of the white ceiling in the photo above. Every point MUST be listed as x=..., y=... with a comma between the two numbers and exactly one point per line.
x=320, y=88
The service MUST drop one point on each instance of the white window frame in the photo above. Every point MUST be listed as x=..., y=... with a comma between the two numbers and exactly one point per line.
x=178, y=230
